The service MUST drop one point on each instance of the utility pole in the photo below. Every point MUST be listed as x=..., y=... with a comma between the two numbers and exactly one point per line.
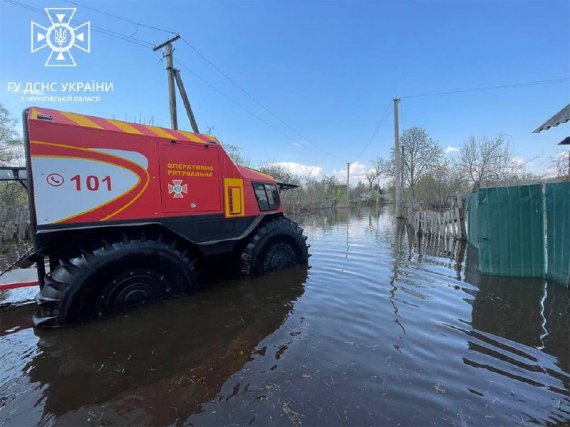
x=186, y=101
x=397, y=177
x=402, y=175
x=168, y=53
x=347, y=185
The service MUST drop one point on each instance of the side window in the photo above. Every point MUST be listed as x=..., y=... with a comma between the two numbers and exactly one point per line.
x=261, y=196
x=267, y=196
x=272, y=196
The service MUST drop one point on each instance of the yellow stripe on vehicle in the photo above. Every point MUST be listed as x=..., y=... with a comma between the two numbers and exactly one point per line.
x=81, y=120
x=125, y=127
x=192, y=137
x=160, y=132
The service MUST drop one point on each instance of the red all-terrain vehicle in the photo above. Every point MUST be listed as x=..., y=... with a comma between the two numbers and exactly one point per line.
x=122, y=211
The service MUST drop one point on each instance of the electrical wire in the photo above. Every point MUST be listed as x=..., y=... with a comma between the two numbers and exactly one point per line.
x=376, y=130
x=304, y=141
x=101, y=30
x=130, y=21
x=243, y=107
x=478, y=89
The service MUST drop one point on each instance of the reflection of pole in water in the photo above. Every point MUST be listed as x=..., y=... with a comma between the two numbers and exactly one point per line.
x=347, y=230
x=509, y=313
x=459, y=257
x=393, y=288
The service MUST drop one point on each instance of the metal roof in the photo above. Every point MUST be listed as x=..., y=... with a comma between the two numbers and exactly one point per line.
x=561, y=117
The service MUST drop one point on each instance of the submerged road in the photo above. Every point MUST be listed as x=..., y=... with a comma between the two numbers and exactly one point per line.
x=380, y=330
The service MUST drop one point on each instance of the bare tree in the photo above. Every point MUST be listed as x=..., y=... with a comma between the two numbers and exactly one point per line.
x=280, y=173
x=436, y=189
x=382, y=167
x=484, y=160
x=371, y=177
x=10, y=144
x=421, y=156
x=559, y=164
x=236, y=154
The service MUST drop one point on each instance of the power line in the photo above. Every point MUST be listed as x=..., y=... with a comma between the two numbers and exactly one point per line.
x=253, y=98
x=478, y=89
x=384, y=117
x=243, y=107
x=130, y=21
x=257, y=101
x=105, y=31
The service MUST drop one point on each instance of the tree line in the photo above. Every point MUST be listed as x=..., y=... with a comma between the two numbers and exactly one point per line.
x=432, y=177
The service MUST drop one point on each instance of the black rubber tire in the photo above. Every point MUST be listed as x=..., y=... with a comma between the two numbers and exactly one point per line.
x=276, y=245
x=111, y=277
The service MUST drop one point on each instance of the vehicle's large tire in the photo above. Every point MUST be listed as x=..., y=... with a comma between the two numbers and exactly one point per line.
x=276, y=245
x=111, y=277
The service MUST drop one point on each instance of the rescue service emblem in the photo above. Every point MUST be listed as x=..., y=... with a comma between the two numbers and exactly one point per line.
x=177, y=188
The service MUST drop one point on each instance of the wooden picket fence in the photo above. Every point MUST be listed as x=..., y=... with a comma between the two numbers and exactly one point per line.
x=447, y=223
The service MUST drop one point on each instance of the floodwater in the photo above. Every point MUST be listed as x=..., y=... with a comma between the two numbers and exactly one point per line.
x=380, y=330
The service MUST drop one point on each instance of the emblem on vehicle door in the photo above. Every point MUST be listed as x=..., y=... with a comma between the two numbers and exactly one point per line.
x=177, y=188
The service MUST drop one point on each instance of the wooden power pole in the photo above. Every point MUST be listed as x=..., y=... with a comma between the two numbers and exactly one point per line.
x=174, y=78
x=168, y=52
x=186, y=101
x=397, y=177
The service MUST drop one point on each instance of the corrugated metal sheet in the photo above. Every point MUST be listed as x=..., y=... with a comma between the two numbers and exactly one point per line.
x=561, y=117
x=522, y=231
x=511, y=231
x=558, y=232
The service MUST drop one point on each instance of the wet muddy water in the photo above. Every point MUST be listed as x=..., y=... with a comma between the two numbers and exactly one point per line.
x=380, y=330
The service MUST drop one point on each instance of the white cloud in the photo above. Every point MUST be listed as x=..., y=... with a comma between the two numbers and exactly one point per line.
x=357, y=173
x=451, y=149
x=301, y=169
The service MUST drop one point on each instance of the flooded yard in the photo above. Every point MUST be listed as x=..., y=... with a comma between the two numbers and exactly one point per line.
x=380, y=330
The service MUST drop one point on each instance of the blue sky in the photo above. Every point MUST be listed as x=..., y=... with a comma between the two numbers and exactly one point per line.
x=329, y=69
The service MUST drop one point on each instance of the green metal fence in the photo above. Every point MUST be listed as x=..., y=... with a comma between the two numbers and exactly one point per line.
x=557, y=202
x=522, y=231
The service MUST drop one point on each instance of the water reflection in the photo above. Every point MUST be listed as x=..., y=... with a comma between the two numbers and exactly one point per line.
x=156, y=365
x=515, y=324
